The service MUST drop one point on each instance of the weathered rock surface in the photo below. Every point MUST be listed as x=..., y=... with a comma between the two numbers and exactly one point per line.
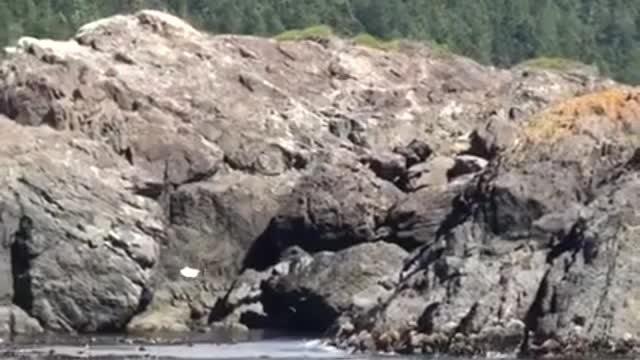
x=535, y=254
x=403, y=200
x=312, y=296
x=82, y=246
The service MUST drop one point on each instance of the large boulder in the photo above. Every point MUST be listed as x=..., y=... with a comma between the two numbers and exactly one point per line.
x=214, y=224
x=82, y=246
x=15, y=322
x=331, y=208
x=312, y=297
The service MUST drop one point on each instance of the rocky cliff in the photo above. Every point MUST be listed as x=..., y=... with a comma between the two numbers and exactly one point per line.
x=408, y=200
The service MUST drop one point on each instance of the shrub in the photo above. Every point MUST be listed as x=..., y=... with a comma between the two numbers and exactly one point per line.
x=567, y=117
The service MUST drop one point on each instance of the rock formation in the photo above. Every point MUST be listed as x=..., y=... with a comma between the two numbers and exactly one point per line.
x=407, y=200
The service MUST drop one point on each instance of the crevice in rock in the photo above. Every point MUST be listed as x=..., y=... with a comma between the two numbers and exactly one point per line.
x=424, y=257
x=146, y=297
x=535, y=313
x=21, y=259
x=481, y=147
x=127, y=154
x=222, y=309
x=166, y=191
x=425, y=321
x=150, y=190
x=611, y=271
x=464, y=326
x=42, y=193
x=573, y=242
x=246, y=82
x=286, y=53
x=303, y=312
x=461, y=210
x=264, y=251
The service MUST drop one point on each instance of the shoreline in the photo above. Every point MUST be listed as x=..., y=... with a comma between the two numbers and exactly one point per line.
x=218, y=336
x=277, y=344
x=273, y=348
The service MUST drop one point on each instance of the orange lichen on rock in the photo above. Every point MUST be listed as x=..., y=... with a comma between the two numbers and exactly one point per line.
x=619, y=106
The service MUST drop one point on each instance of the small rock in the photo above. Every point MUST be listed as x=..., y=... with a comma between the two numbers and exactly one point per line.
x=481, y=144
x=388, y=341
x=416, y=339
x=366, y=341
x=346, y=329
x=387, y=166
x=416, y=152
x=124, y=58
x=449, y=327
x=550, y=346
x=466, y=164
x=353, y=341
x=111, y=72
x=515, y=325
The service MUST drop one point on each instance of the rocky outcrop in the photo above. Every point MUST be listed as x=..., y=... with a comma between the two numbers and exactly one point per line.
x=82, y=246
x=406, y=200
x=530, y=255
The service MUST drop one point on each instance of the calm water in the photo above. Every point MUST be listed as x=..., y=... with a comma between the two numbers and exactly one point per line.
x=273, y=349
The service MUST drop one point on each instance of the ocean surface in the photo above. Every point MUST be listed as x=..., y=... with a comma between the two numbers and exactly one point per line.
x=272, y=349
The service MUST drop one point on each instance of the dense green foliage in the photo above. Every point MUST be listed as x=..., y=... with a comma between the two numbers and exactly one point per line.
x=501, y=32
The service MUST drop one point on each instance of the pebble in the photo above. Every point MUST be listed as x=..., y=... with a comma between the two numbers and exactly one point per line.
x=515, y=325
x=366, y=341
x=627, y=337
x=551, y=346
x=347, y=329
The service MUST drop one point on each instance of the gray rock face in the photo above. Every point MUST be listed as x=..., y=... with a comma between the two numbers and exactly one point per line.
x=532, y=241
x=82, y=247
x=402, y=200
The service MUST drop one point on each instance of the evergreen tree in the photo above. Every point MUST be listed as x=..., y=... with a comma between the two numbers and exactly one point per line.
x=548, y=20
x=5, y=16
x=502, y=32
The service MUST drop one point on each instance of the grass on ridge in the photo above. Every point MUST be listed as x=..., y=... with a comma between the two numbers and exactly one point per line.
x=440, y=50
x=313, y=32
x=322, y=32
x=368, y=40
x=552, y=63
